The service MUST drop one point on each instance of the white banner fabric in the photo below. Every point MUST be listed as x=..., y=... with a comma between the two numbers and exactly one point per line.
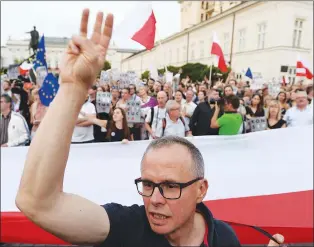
x=260, y=163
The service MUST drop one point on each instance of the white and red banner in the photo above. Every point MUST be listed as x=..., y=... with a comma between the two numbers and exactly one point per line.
x=303, y=68
x=263, y=179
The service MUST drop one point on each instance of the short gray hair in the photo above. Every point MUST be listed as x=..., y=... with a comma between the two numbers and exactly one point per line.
x=198, y=161
x=170, y=104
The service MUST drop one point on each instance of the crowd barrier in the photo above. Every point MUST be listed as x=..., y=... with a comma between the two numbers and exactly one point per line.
x=263, y=179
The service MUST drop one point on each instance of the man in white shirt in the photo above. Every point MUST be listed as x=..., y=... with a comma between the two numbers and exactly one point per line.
x=84, y=130
x=153, y=121
x=13, y=128
x=173, y=123
x=301, y=114
x=188, y=106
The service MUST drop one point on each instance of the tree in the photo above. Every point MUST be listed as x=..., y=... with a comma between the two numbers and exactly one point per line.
x=193, y=70
x=17, y=61
x=145, y=75
x=107, y=65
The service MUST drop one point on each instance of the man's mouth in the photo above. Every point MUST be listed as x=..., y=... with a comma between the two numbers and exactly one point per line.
x=158, y=216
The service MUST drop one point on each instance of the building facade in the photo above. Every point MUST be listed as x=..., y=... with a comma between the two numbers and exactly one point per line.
x=195, y=12
x=17, y=50
x=266, y=36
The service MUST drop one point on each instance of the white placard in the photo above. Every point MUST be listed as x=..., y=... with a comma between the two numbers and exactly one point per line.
x=115, y=75
x=124, y=81
x=169, y=77
x=41, y=74
x=274, y=88
x=134, y=111
x=104, y=77
x=257, y=124
x=103, y=102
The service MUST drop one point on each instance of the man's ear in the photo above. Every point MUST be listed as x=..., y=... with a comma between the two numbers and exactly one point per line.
x=202, y=190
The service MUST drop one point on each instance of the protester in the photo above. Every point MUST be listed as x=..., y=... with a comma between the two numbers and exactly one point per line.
x=14, y=129
x=201, y=97
x=122, y=103
x=273, y=116
x=188, y=106
x=6, y=86
x=153, y=121
x=255, y=109
x=83, y=130
x=301, y=114
x=37, y=111
x=172, y=215
x=173, y=124
x=282, y=99
x=117, y=129
x=231, y=121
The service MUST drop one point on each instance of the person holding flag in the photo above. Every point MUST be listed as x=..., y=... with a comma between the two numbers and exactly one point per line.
x=173, y=214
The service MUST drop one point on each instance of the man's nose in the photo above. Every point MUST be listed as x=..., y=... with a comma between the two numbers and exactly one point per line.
x=157, y=197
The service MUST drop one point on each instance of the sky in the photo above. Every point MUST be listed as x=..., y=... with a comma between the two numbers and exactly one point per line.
x=62, y=19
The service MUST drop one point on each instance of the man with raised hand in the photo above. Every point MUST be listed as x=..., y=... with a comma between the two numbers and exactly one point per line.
x=173, y=213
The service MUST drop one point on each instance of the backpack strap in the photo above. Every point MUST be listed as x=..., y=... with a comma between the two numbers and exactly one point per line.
x=151, y=116
x=182, y=120
x=164, y=124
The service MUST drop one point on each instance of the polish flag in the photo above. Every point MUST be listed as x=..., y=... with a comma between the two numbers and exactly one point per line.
x=139, y=25
x=275, y=192
x=303, y=69
x=25, y=67
x=216, y=50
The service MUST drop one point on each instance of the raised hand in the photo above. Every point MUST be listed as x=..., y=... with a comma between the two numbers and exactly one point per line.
x=85, y=57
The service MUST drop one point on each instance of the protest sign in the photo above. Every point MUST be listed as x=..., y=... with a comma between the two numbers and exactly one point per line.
x=124, y=81
x=133, y=78
x=104, y=77
x=134, y=111
x=115, y=75
x=103, y=101
x=257, y=124
x=257, y=82
x=13, y=71
x=41, y=73
x=274, y=87
x=169, y=77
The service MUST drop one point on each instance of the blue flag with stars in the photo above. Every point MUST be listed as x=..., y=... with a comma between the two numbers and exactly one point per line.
x=40, y=60
x=249, y=73
x=49, y=89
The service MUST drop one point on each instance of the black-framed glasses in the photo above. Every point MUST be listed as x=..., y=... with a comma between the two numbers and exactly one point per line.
x=169, y=190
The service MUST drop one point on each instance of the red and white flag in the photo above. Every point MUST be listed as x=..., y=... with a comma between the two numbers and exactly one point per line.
x=216, y=50
x=303, y=69
x=25, y=67
x=139, y=25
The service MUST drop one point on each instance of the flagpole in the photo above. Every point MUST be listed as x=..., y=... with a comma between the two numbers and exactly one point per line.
x=162, y=48
x=210, y=74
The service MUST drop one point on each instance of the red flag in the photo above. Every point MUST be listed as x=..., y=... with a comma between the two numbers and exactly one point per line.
x=146, y=35
x=303, y=70
x=216, y=50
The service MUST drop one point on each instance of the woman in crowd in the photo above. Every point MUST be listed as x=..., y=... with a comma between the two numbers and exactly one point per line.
x=117, y=128
x=179, y=97
x=291, y=102
x=282, y=99
x=255, y=109
x=106, y=88
x=201, y=97
x=228, y=90
x=37, y=112
x=125, y=96
x=115, y=96
x=167, y=88
x=273, y=116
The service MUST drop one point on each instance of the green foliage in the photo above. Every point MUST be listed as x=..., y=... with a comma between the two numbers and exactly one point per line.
x=193, y=70
x=107, y=65
x=145, y=75
x=17, y=61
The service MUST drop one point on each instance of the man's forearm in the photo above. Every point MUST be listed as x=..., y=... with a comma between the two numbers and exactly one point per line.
x=214, y=120
x=85, y=123
x=48, y=153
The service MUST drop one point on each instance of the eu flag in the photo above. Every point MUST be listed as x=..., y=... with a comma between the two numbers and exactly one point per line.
x=49, y=89
x=40, y=60
x=249, y=73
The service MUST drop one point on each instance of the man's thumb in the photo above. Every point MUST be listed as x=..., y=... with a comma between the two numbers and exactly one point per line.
x=280, y=239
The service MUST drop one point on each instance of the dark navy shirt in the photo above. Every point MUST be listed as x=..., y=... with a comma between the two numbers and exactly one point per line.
x=129, y=227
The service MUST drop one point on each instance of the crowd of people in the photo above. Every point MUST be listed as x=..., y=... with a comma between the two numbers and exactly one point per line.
x=187, y=109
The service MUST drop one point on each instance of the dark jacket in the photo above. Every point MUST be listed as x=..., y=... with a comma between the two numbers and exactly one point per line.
x=200, y=120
